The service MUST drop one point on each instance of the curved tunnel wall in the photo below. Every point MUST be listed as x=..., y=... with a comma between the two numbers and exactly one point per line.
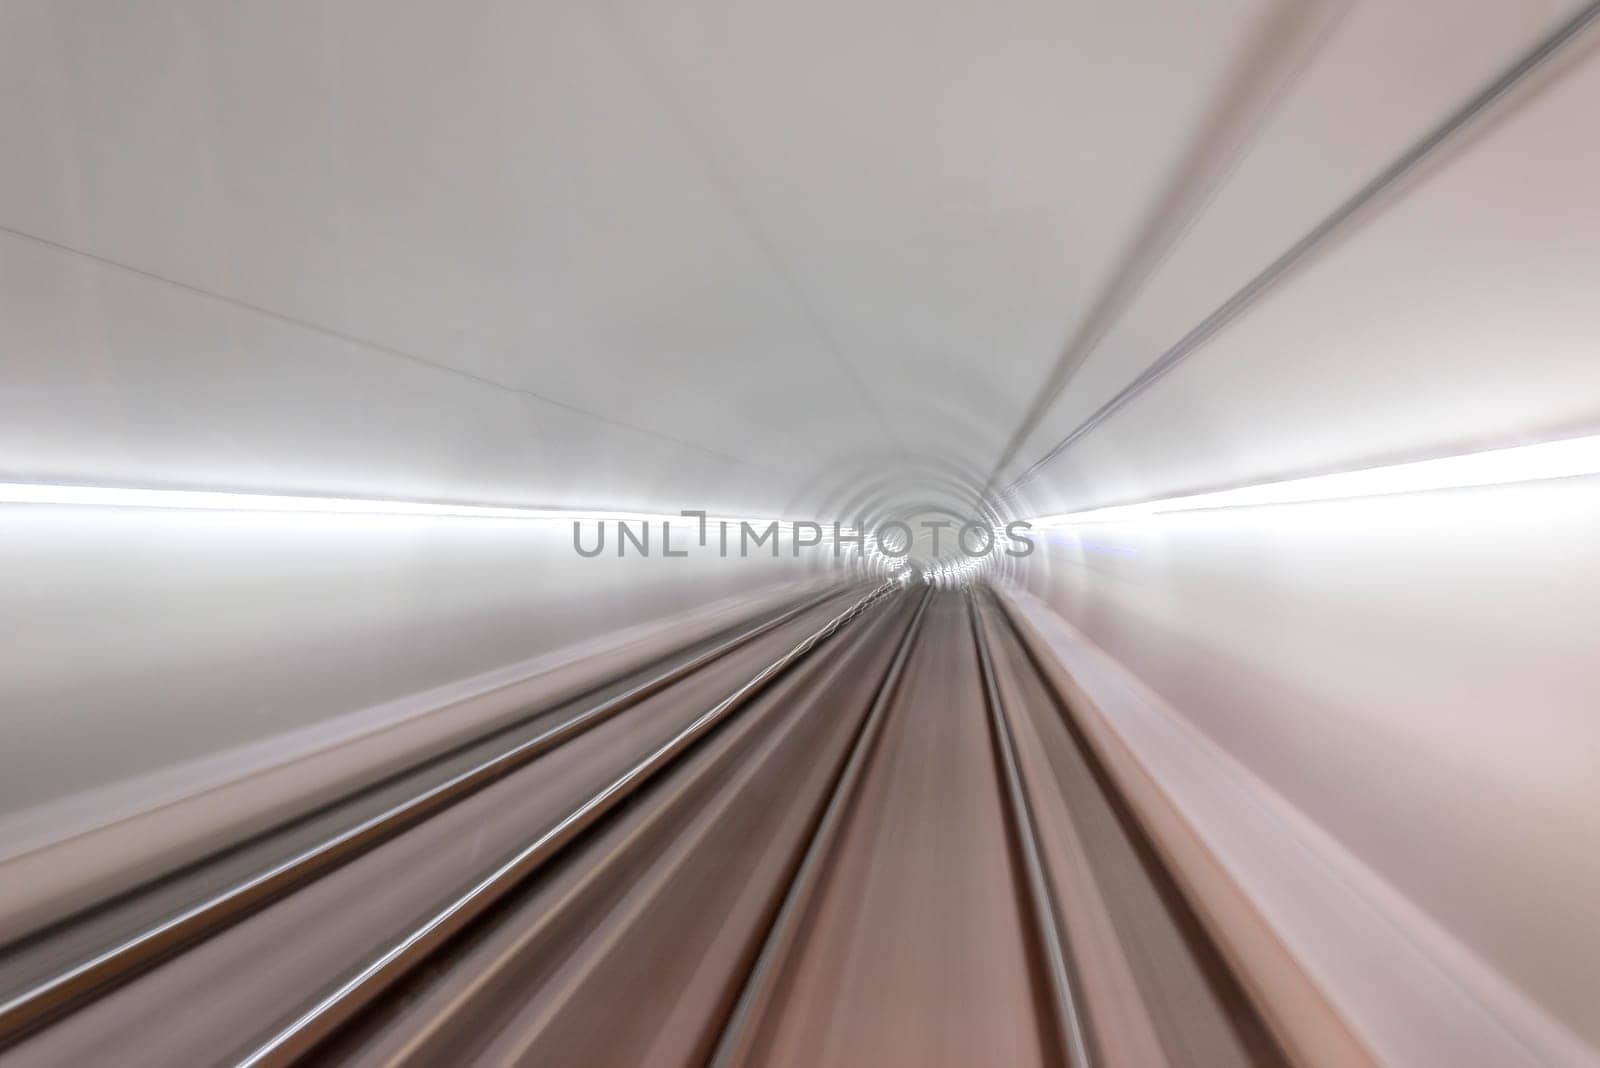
x=1411, y=675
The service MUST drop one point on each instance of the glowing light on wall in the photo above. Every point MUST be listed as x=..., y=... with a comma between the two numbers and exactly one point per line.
x=1523, y=463
x=207, y=500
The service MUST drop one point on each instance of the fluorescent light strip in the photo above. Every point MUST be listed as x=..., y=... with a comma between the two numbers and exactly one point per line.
x=205, y=500
x=1522, y=463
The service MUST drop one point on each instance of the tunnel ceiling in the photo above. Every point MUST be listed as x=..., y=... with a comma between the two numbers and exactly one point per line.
x=635, y=254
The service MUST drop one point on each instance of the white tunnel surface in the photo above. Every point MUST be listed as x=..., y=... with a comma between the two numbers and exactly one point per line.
x=790, y=259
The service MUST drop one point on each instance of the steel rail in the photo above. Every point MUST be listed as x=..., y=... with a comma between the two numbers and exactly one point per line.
x=733, y=1045
x=53, y=997
x=1067, y=1022
x=425, y=1044
x=303, y=1033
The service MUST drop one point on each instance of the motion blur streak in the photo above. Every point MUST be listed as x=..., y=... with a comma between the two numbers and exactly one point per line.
x=134, y=497
x=1526, y=463
x=1177, y=647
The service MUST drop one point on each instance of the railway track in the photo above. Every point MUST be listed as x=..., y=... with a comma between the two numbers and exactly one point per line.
x=862, y=830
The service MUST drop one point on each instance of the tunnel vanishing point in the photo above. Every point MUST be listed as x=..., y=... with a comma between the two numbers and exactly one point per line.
x=800, y=534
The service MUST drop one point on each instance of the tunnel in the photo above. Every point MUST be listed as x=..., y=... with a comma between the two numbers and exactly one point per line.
x=740, y=532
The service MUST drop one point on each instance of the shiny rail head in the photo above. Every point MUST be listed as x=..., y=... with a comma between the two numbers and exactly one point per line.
x=330, y=1011
x=39, y=1005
